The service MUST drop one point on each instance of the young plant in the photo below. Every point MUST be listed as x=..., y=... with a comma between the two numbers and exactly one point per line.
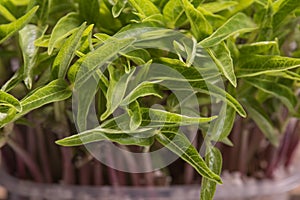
x=152, y=74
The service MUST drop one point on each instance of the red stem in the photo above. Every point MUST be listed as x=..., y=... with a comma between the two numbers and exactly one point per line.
x=32, y=166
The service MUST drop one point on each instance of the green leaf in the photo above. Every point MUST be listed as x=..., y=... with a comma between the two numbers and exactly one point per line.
x=222, y=126
x=96, y=59
x=66, y=54
x=218, y=6
x=257, y=113
x=213, y=160
x=118, y=7
x=286, y=74
x=283, y=8
x=180, y=145
x=200, y=27
x=86, y=40
x=7, y=30
x=140, y=137
x=134, y=111
x=222, y=57
x=154, y=118
x=62, y=29
x=257, y=65
x=174, y=13
x=239, y=23
x=6, y=13
x=43, y=12
x=14, y=80
x=56, y=90
x=221, y=94
x=115, y=93
x=6, y=117
x=282, y=92
x=162, y=117
x=259, y=48
x=145, y=8
x=89, y=10
x=138, y=56
x=27, y=37
x=145, y=88
x=9, y=101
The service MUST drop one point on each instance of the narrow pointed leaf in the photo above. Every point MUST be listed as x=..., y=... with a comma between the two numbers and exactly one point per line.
x=239, y=23
x=6, y=14
x=140, y=137
x=180, y=145
x=165, y=117
x=28, y=35
x=7, y=30
x=284, y=9
x=115, y=94
x=282, y=92
x=213, y=160
x=97, y=58
x=135, y=114
x=10, y=101
x=56, y=90
x=144, y=89
x=63, y=28
x=145, y=8
x=221, y=94
x=200, y=27
x=222, y=57
x=66, y=54
x=257, y=65
x=222, y=126
x=257, y=113
x=118, y=7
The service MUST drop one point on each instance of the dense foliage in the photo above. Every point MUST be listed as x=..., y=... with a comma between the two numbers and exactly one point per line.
x=51, y=49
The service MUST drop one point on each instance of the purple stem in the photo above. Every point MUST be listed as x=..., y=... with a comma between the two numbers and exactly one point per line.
x=98, y=176
x=32, y=166
x=43, y=155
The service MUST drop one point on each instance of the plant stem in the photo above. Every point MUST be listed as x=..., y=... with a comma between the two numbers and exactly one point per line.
x=21, y=168
x=98, y=177
x=43, y=153
x=32, y=166
x=85, y=175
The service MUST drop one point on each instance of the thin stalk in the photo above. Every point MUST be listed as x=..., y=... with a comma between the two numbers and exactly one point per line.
x=130, y=162
x=98, y=176
x=85, y=174
x=234, y=153
x=67, y=166
x=149, y=177
x=112, y=173
x=242, y=165
x=32, y=166
x=31, y=140
x=43, y=153
x=21, y=168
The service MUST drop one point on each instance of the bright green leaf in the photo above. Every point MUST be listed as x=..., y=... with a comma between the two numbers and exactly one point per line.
x=63, y=28
x=180, y=145
x=222, y=57
x=66, y=54
x=140, y=137
x=257, y=113
x=239, y=23
x=282, y=92
x=9, y=101
x=7, y=30
x=213, y=160
x=28, y=35
x=257, y=65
